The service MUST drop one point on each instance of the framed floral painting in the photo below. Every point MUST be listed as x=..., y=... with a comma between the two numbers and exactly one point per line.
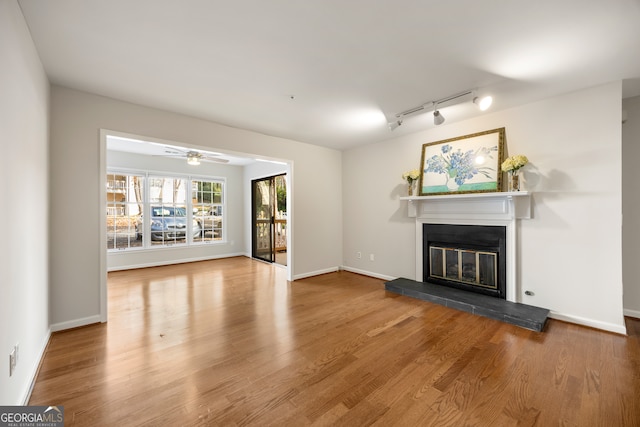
x=465, y=164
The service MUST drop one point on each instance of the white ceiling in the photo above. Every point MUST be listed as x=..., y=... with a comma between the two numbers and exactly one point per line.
x=333, y=72
x=151, y=147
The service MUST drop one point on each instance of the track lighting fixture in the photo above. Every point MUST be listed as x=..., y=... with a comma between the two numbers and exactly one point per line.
x=482, y=102
x=393, y=125
x=438, y=118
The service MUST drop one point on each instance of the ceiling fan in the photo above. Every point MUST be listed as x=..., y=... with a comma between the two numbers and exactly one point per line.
x=194, y=157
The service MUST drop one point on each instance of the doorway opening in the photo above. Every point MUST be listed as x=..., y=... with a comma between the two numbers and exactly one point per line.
x=125, y=152
x=269, y=219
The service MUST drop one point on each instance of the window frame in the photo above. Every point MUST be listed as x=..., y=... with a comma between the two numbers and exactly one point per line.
x=189, y=241
x=122, y=204
x=222, y=204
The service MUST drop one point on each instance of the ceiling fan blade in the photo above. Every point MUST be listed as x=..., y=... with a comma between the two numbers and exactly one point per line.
x=172, y=153
x=214, y=160
x=188, y=154
x=168, y=155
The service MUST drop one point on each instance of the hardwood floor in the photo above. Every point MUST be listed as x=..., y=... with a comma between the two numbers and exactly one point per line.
x=231, y=342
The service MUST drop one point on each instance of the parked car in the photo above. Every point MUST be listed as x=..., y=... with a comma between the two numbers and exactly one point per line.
x=168, y=223
x=210, y=223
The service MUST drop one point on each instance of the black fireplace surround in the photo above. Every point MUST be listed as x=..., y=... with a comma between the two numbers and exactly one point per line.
x=466, y=237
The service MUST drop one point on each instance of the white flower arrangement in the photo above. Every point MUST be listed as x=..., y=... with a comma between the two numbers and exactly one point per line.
x=514, y=163
x=411, y=176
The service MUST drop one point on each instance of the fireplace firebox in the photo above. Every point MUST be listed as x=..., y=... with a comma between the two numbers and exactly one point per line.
x=467, y=257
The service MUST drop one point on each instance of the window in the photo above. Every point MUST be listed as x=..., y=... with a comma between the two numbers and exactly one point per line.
x=125, y=195
x=175, y=215
x=207, y=209
x=169, y=223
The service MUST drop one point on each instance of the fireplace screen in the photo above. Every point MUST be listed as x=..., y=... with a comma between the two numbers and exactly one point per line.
x=477, y=268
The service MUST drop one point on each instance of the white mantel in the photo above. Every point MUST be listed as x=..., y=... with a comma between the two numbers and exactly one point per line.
x=499, y=209
x=513, y=204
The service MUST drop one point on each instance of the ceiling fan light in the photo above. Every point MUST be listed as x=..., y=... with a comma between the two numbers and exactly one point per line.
x=438, y=118
x=193, y=160
x=483, y=103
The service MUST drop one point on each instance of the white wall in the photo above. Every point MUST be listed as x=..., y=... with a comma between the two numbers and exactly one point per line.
x=24, y=192
x=76, y=120
x=234, y=213
x=569, y=253
x=631, y=206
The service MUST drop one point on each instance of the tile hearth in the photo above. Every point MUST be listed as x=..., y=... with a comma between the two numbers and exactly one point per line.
x=525, y=316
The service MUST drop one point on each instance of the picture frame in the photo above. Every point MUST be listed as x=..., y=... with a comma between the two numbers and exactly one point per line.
x=464, y=164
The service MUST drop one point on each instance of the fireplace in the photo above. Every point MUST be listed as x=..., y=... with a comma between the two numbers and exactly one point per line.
x=467, y=257
x=473, y=240
x=499, y=209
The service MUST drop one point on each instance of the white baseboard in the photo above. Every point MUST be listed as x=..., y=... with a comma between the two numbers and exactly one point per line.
x=335, y=269
x=632, y=313
x=75, y=323
x=366, y=273
x=26, y=395
x=605, y=326
x=315, y=273
x=171, y=262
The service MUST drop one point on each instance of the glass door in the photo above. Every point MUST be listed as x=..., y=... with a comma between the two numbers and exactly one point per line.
x=262, y=195
x=269, y=213
x=280, y=220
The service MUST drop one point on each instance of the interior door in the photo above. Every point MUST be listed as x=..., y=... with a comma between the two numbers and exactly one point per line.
x=263, y=210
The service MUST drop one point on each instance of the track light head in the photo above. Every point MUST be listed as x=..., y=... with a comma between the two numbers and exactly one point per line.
x=393, y=125
x=438, y=118
x=483, y=103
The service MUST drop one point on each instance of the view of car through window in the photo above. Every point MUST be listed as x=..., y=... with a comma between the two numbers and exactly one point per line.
x=168, y=223
x=160, y=206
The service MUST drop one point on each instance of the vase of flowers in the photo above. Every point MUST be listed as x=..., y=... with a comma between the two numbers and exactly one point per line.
x=411, y=177
x=512, y=166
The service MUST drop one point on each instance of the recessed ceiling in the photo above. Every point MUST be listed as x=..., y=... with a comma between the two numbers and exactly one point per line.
x=330, y=72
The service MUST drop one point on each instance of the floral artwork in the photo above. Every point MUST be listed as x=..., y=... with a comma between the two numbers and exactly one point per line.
x=457, y=166
x=465, y=164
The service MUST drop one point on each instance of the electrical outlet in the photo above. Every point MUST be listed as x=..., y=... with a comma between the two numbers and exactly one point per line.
x=359, y=255
x=371, y=257
x=12, y=361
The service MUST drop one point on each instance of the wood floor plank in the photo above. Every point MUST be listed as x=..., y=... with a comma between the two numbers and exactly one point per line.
x=231, y=342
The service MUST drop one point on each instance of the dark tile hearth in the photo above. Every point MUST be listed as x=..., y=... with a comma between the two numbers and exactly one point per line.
x=525, y=316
